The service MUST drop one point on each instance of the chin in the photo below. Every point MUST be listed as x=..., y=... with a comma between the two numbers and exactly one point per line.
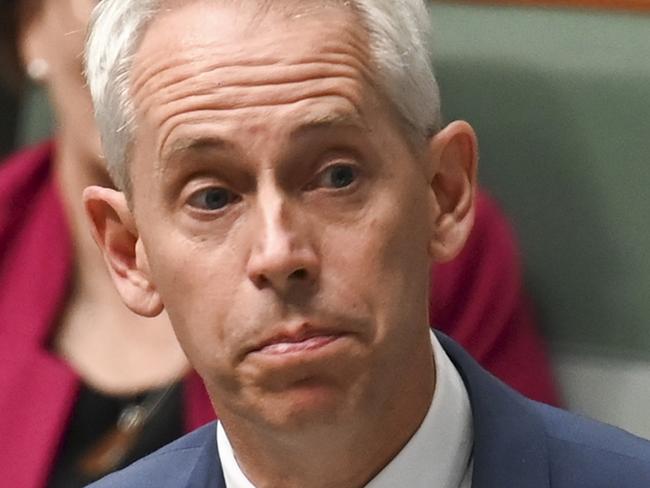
x=303, y=408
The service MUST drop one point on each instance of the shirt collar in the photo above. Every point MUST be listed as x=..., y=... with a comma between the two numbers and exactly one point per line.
x=438, y=454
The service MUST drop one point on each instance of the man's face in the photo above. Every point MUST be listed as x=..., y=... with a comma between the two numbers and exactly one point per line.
x=281, y=215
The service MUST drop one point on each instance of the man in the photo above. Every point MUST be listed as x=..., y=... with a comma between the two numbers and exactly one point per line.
x=277, y=160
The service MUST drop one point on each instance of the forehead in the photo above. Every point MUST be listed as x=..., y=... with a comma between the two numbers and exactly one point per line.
x=221, y=61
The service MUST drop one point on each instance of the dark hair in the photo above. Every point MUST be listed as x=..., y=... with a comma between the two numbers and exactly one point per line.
x=11, y=71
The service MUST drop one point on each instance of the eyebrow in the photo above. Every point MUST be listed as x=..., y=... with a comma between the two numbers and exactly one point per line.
x=193, y=145
x=330, y=121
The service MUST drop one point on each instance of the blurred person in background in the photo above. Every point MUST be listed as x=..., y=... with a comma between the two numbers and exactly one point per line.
x=87, y=386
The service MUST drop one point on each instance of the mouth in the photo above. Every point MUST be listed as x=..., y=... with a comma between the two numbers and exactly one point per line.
x=294, y=346
x=302, y=340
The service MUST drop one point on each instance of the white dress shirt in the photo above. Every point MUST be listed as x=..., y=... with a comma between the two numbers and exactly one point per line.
x=437, y=456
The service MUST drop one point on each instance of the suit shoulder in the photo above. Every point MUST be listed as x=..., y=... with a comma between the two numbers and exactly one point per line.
x=590, y=454
x=170, y=466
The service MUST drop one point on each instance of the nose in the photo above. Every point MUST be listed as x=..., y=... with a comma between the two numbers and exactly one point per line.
x=282, y=255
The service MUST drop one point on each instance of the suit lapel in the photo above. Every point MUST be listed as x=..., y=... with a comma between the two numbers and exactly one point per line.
x=509, y=438
x=207, y=471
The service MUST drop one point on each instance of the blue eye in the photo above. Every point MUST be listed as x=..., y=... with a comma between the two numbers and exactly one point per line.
x=213, y=198
x=338, y=176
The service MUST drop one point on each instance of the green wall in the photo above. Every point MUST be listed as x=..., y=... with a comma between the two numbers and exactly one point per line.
x=561, y=103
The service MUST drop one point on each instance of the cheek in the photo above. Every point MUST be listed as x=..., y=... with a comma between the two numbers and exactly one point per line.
x=383, y=262
x=197, y=288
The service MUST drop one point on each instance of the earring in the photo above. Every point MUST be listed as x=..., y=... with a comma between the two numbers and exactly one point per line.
x=38, y=69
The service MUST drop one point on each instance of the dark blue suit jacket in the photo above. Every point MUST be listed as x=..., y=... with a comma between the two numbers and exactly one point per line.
x=518, y=443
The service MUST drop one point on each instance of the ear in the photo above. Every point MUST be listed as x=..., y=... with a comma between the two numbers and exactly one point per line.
x=113, y=228
x=454, y=152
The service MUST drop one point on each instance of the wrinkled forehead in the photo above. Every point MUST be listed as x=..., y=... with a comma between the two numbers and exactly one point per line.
x=235, y=67
x=203, y=40
x=246, y=31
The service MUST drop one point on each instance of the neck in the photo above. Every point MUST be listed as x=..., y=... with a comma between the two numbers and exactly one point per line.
x=348, y=454
x=74, y=170
x=121, y=352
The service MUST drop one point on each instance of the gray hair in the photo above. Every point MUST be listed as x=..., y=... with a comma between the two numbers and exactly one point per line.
x=399, y=37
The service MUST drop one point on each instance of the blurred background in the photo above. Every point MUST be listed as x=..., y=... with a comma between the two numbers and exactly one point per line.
x=560, y=97
x=559, y=94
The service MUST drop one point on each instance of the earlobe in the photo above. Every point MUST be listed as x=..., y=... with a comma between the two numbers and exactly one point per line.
x=453, y=184
x=31, y=43
x=113, y=228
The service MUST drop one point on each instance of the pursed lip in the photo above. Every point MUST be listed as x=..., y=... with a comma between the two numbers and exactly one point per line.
x=304, y=337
